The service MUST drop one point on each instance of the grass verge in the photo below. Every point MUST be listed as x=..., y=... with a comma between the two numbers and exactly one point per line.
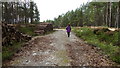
x=106, y=42
x=8, y=51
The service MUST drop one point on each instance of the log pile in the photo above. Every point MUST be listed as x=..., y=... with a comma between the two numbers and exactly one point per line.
x=10, y=35
x=43, y=28
x=109, y=31
x=105, y=33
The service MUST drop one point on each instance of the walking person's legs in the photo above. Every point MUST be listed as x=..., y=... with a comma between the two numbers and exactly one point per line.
x=68, y=34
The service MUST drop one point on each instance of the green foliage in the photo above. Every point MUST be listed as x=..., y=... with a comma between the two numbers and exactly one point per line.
x=28, y=30
x=90, y=14
x=8, y=51
x=116, y=57
x=19, y=12
x=104, y=41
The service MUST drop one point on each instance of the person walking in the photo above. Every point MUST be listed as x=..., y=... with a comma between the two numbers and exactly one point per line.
x=68, y=28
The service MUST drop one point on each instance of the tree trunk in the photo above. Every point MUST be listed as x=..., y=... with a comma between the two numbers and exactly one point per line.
x=17, y=13
x=31, y=11
x=110, y=16
x=119, y=16
x=2, y=12
x=25, y=9
x=107, y=15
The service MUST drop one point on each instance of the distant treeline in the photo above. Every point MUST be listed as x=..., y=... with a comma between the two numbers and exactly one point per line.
x=19, y=12
x=91, y=14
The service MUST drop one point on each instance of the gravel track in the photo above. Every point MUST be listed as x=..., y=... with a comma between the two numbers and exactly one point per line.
x=57, y=49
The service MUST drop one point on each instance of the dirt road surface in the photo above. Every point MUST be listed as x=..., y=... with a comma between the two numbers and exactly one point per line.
x=57, y=49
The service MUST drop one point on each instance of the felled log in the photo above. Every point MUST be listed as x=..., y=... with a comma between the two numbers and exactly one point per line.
x=40, y=32
x=101, y=30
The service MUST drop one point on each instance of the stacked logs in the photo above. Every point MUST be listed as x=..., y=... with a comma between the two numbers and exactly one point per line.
x=10, y=35
x=42, y=28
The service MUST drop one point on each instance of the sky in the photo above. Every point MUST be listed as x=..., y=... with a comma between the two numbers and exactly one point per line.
x=49, y=9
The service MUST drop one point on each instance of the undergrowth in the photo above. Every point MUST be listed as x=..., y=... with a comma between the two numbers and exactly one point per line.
x=28, y=30
x=108, y=43
x=9, y=50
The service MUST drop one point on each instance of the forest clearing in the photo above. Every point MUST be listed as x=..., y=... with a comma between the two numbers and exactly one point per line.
x=57, y=49
x=86, y=36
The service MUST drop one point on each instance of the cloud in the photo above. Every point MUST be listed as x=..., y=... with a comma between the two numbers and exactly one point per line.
x=49, y=9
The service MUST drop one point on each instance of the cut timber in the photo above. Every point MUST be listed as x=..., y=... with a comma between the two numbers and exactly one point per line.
x=43, y=27
x=10, y=35
x=40, y=32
